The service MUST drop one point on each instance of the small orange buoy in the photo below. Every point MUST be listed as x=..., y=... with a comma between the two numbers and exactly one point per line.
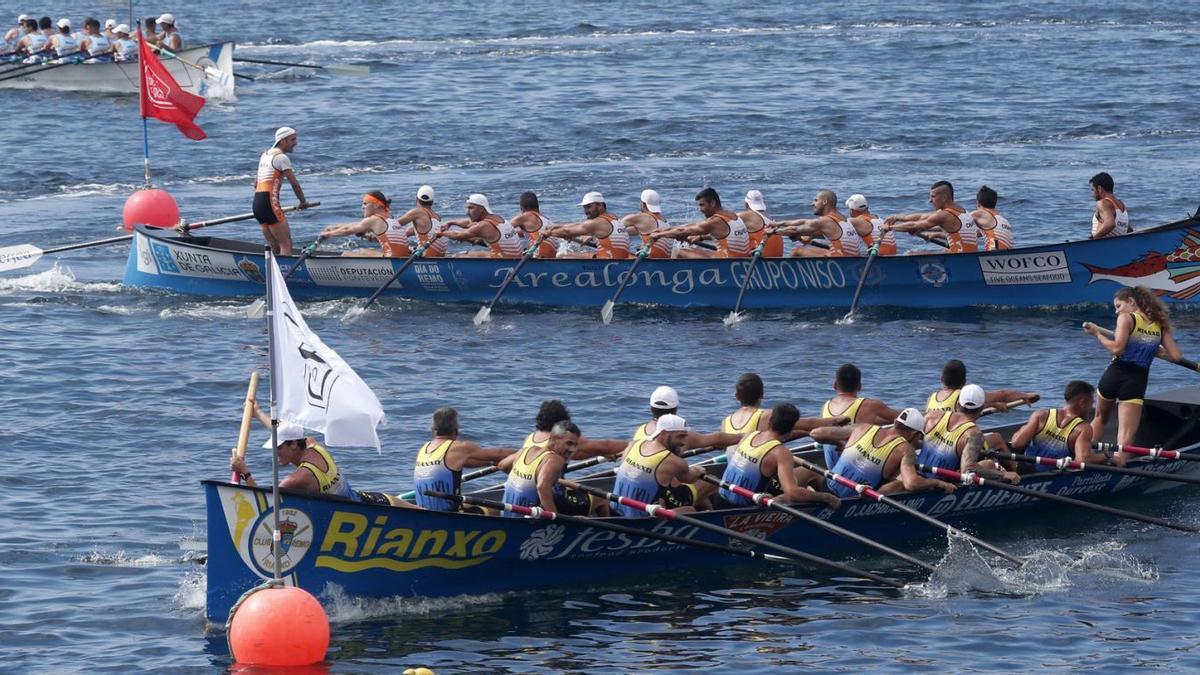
x=283, y=626
x=154, y=207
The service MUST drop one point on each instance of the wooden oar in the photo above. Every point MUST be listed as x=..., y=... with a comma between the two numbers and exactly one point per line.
x=255, y=310
x=771, y=502
x=339, y=68
x=1148, y=452
x=24, y=255
x=875, y=495
x=795, y=554
x=239, y=451
x=606, y=312
x=354, y=313
x=736, y=315
x=539, y=513
x=972, y=479
x=1160, y=354
x=484, y=314
x=1063, y=463
x=862, y=280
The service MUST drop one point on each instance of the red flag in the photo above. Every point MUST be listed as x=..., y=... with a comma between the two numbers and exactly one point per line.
x=163, y=98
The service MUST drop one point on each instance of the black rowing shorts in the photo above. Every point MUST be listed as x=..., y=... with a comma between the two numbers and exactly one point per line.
x=675, y=497
x=573, y=503
x=374, y=498
x=1125, y=382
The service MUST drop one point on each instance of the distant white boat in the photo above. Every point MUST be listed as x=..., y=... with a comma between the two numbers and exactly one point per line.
x=122, y=78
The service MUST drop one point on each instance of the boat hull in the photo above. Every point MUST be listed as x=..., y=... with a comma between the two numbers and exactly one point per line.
x=1166, y=258
x=123, y=78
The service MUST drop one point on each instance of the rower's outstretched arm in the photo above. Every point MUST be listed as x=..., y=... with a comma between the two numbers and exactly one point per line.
x=878, y=412
x=804, y=425
x=702, y=228
x=349, y=229
x=1174, y=353
x=477, y=456
x=910, y=479
x=714, y=440
x=584, y=228
x=793, y=491
x=469, y=231
x=1005, y=399
x=1025, y=434
x=971, y=457
x=597, y=447
x=832, y=435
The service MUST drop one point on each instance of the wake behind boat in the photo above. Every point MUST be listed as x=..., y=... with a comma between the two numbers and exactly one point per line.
x=122, y=78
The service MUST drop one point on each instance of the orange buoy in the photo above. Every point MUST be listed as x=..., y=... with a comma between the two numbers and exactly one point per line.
x=282, y=626
x=153, y=207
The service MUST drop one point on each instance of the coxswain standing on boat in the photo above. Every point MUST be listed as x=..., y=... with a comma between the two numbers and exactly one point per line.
x=1111, y=218
x=762, y=463
x=962, y=235
x=664, y=400
x=273, y=166
x=954, y=441
x=652, y=472
x=481, y=224
x=848, y=402
x=534, y=472
x=1143, y=331
x=376, y=209
x=1062, y=432
x=125, y=48
x=530, y=224
x=612, y=240
x=169, y=38
x=844, y=239
x=440, y=462
x=422, y=222
x=63, y=43
x=97, y=45
x=995, y=232
x=864, y=221
x=648, y=220
x=757, y=221
x=954, y=378
x=751, y=416
x=719, y=224
x=316, y=471
x=880, y=457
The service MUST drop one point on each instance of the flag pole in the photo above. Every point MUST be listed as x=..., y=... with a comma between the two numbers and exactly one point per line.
x=142, y=104
x=270, y=313
x=146, y=150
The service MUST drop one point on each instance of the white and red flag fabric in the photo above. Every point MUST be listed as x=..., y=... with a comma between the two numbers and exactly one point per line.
x=163, y=98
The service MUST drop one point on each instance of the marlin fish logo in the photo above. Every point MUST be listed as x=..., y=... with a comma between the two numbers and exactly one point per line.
x=1176, y=274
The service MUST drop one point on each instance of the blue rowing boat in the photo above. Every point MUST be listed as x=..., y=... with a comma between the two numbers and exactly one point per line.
x=1165, y=258
x=386, y=552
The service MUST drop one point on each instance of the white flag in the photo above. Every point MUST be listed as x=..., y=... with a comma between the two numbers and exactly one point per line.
x=316, y=389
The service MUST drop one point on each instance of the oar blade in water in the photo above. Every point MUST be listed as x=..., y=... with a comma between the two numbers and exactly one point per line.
x=348, y=69
x=483, y=315
x=353, y=314
x=256, y=308
x=606, y=312
x=18, y=257
x=733, y=318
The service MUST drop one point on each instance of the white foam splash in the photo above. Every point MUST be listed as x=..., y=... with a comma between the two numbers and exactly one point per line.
x=343, y=608
x=119, y=310
x=123, y=559
x=224, y=311
x=192, y=590
x=57, y=279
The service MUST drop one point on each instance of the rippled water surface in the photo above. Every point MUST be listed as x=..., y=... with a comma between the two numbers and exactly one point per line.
x=117, y=402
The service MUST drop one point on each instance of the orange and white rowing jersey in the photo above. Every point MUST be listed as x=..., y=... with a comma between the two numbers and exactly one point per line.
x=966, y=240
x=548, y=246
x=615, y=246
x=736, y=244
x=508, y=242
x=1000, y=237
x=888, y=245
x=392, y=240
x=774, y=246
x=849, y=244
x=271, y=166
x=438, y=248
x=1122, y=217
x=659, y=248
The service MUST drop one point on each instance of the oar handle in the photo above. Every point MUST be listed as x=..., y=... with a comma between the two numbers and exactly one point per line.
x=239, y=451
x=185, y=229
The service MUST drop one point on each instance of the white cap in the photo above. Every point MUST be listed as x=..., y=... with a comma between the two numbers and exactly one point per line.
x=425, y=193
x=664, y=398
x=754, y=200
x=64, y=23
x=111, y=23
x=856, y=202
x=280, y=133
x=167, y=19
x=479, y=200
x=591, y=198
x=286, y=432
x=22, y=18
x=122, y=28
x=652, y=201
x=669, y=423
x=971, y=397
x=911, y=418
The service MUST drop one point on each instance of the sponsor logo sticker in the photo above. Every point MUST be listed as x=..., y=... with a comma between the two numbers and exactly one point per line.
x=1048, y=267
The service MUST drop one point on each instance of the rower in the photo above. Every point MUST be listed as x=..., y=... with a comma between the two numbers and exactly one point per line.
x=316, y=471
x=751, y=416
x=652, y=471
x=530, y=223
x=847, y=401
x=1143, y=331
x=995, y=232
x=881, y=457
x=870, y=225
x=844, y=239
x=169, y=38
x=149, y=30
x=97, y=45
x=1111, y=218
x=762, y=463
x=534, y=472
x=13, y=35
x=954, y=441
x=440, y=462
x=376, y=210
x=1062, y=432
x=962, y=235
x=423, y=222
x=63, y=43
x=954, y=378
x=34, y=43
x=110, y=32
x=125, y=48
x=481, y=224
x=612, y=240
x=720, y=224
x=647, y=220
x=756, y=219
x=664, y=400
x=273, y=166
